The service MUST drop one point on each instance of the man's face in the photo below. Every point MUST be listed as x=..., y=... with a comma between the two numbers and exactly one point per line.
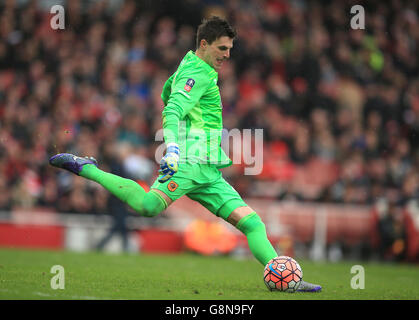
x=215, y=53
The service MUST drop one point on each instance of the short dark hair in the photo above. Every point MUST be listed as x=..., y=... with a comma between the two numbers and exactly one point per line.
x=213, y=28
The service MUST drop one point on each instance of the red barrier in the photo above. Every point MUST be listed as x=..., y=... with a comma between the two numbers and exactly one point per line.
x=347, y=223
x=31, y=236
x=411, y=220
x=162, y=241
x=289, y=220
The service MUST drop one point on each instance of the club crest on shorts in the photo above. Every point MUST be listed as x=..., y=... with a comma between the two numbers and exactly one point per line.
x=189, y=84
x=172, y=186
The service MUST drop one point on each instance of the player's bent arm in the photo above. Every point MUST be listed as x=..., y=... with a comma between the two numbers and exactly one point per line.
x=186, y=90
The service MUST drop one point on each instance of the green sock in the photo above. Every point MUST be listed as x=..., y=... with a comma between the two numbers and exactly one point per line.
x=128, y=191
x=255, y=231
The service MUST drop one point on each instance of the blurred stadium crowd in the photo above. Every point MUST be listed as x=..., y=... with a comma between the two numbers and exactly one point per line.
x=339, y=107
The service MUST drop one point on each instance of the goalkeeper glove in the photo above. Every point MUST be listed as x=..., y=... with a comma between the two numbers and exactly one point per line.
x=169, y=163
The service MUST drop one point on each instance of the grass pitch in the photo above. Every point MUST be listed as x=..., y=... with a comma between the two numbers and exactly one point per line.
x=27, y=275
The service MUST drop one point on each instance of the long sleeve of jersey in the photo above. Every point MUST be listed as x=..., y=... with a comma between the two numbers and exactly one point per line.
x=180, y=94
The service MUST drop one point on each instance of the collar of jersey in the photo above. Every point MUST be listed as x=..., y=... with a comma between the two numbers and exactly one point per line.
x=192, y=55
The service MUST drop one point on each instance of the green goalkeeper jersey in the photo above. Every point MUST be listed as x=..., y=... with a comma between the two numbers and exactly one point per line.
x=192, y=115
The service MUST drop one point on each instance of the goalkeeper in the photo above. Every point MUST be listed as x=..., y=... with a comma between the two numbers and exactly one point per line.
x=192, y=124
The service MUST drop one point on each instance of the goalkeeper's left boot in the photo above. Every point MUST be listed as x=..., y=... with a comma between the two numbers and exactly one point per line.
x=309, y=287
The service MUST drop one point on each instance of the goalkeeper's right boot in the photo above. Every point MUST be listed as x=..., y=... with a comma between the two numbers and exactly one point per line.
x=71, y=162
x=309, y=287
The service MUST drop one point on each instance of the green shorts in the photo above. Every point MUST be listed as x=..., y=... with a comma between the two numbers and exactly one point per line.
x=204, y=184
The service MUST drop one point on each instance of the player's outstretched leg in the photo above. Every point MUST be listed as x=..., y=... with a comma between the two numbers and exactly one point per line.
x=147, y=204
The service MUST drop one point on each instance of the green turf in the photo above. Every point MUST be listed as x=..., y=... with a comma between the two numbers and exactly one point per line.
x=26, y=275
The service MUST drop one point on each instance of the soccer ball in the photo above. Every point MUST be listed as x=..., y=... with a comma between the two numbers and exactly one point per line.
x=283, y=274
